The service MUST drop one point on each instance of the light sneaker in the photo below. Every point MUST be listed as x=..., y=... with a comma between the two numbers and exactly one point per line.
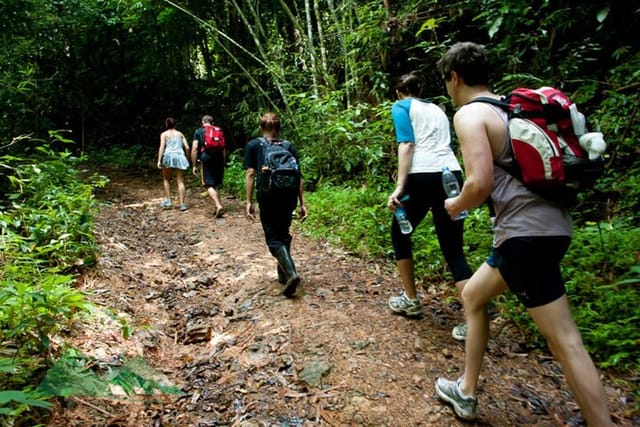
x=166, y=204
x=449, y=391
x=459, y=332
x=183, y=207
x=404, y=305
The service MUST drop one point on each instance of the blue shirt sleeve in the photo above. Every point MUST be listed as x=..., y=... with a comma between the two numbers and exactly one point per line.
x=402, y=121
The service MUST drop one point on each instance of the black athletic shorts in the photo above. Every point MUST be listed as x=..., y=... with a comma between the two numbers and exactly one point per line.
x=531, y=267
x=212, y=169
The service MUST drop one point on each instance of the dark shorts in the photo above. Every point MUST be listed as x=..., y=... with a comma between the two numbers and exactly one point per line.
x=212, y=170
x=531, y=267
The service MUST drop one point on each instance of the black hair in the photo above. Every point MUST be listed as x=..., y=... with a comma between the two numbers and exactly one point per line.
x=409, y=84
x=468, y=60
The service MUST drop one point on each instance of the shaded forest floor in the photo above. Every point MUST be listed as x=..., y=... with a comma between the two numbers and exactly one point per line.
x=207, y=316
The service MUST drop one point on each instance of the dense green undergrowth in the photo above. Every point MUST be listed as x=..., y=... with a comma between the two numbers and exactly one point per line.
x=47, y=212
x=46, y=234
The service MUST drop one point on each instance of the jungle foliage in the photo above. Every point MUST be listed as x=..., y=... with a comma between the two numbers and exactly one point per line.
x=111, y=71
x=46, y=233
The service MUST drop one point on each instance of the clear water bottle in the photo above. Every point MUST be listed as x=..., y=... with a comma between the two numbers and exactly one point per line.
x=452, y=189
x=401, y=217
x=577, y=120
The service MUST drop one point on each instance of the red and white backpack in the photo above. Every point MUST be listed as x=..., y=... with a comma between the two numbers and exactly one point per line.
x=214, y=141
x=548, y=140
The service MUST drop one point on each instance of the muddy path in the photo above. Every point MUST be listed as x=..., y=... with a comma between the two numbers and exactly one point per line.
x=202, y=301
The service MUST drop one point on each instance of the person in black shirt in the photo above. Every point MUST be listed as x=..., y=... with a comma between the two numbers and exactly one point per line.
x=212, y=165
x=276, y=207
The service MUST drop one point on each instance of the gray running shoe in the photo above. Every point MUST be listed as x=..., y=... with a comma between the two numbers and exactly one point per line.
x=403, y=305
x=449, y=391
x=166, y=203
x=459, y=332
x=183, y=207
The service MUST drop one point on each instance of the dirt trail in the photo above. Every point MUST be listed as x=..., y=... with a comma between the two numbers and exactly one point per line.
x=202, y=297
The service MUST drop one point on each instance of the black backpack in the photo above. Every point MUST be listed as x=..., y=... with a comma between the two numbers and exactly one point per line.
x=280, y=171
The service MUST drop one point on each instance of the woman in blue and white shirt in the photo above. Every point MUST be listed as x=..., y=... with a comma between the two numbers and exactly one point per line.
x=424, y=149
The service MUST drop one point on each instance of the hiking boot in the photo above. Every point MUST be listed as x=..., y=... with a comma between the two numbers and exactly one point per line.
x=282, y=277
x=183, y=207
x=459, y=332
x=289, y=268
x=166, y=204
x=404, y=305
x=449, y=391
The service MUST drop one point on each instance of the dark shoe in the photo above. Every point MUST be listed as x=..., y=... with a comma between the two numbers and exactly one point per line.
x=289, y=268
x=282, y=277
x=292, y=284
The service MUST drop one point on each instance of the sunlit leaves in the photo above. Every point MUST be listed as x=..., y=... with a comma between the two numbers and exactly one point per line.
x=602, y=14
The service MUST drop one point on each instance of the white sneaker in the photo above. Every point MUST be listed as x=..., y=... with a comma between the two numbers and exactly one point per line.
x=459, y=332
x=407, y=306
x=449, y=391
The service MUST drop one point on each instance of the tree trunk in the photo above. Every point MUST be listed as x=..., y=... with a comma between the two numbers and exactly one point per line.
x=310, y=47
x=321, y=41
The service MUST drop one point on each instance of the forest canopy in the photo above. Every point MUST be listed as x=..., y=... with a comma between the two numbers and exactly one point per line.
x=110, y=71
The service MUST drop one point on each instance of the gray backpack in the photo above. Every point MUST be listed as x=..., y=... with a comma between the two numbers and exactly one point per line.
x=280, y=171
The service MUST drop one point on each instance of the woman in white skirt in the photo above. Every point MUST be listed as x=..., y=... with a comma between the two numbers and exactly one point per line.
x=172, y=157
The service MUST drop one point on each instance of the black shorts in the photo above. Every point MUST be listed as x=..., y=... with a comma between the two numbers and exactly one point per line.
x=212, y=169
x=531, y=267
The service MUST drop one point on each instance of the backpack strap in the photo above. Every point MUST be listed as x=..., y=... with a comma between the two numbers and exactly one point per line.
x=501, y=103
x=286, y=144
x=512, y=108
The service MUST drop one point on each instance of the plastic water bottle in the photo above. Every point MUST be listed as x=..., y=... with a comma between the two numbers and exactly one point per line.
x=577, y=120
x=401, y=217
x=452, y=189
